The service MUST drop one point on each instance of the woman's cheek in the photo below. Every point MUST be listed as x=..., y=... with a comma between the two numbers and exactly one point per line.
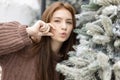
x=53, y=31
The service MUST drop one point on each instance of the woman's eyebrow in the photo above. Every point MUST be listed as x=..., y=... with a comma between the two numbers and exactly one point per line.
x=61, y=18
x=57, y=17
x=69, y=19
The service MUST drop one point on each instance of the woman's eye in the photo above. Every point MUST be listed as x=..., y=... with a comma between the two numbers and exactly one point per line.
x=56, y=20
x=69, y=23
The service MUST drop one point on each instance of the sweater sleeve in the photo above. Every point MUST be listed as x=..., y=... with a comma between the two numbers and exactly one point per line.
x=13, y=37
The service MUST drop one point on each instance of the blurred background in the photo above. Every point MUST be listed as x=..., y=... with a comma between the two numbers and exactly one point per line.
x=28, y=11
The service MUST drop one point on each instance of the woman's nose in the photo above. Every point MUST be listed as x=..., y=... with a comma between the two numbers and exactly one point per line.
x=64, y=26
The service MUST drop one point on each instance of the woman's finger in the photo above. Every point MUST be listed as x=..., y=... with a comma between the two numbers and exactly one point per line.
x=52, y=26
x=47, y=30
x=39, y=24
x=44, y=28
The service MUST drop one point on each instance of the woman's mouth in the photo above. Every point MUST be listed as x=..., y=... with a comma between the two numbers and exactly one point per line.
x=63, y=35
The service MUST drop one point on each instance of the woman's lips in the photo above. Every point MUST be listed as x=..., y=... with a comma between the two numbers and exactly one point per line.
x=63, y=35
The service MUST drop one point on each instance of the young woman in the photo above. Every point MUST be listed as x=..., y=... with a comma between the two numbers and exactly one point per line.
x=31, y=53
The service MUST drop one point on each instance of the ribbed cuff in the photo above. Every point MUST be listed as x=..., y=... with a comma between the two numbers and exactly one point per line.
x=24, y=35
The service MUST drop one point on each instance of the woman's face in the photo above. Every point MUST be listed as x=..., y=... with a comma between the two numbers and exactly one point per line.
x=63, y=23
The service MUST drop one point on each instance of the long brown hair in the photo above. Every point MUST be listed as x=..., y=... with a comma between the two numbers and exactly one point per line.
x=45, y=70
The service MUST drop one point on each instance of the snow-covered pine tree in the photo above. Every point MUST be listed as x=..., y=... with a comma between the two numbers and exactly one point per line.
x=97, y=56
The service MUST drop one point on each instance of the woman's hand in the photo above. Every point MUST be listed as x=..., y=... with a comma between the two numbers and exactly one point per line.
x=39, y=29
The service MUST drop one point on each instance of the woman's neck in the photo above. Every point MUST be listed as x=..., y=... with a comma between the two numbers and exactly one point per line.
x=56, y=46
